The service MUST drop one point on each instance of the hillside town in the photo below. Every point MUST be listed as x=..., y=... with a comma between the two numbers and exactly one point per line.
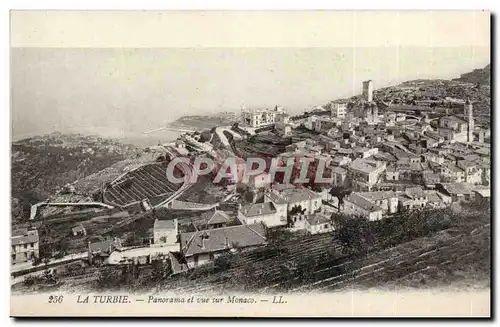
x=383, y=160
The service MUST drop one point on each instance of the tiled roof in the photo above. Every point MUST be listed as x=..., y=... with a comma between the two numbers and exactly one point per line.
x=361, y=202
x=104, y=246
x=25, y=237
x=457, y=188
x=258, y=209
x=455, y=119
x=366, y=166
x=220, y=239
x=379, y=195
x=215, y=217
x=318, y=219
x=164, y=224
x=298, y=195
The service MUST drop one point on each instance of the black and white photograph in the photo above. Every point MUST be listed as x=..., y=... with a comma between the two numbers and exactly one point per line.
x=232, y=175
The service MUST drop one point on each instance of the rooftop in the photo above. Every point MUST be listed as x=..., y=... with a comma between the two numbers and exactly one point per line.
x=258, y=209
x=318, y=219
x=361, y=202
x=220, y=239
x=366, y=166
x=24, y=236
x=105, y=246
x=164, y=224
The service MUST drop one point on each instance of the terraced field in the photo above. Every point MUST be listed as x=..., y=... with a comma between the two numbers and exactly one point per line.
x=148, y=181
x=316, y=264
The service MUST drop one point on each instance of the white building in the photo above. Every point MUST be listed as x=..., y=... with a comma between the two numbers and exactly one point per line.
x=338, y=110
x=24, y=245
x=285, y=200
x=354, y=204
x=165, y=233
x=318, y=224
x=202, y=247
x=257, y=118
x=265, y=213
x=387, y=200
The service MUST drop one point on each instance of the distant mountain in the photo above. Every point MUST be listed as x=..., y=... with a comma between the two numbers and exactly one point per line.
x=477, y=76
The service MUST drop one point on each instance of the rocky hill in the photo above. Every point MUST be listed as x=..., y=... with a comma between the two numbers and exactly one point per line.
x=474, y=85
x=44, y=165
x=480, y=76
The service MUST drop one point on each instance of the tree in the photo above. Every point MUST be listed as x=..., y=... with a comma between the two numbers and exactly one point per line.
x=354, y=233
x=293, y=213
x=340, y=193
x=161, y=270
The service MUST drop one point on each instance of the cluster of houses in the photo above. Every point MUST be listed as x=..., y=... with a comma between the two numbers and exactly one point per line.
x=388, y=163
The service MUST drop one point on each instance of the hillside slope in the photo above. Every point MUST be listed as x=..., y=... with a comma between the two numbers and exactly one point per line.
x=43, y=165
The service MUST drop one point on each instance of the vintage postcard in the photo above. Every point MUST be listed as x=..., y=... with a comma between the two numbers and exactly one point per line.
x=250, y=163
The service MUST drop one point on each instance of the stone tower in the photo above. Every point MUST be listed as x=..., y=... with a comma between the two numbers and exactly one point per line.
x=368, y=90
x=469, y=115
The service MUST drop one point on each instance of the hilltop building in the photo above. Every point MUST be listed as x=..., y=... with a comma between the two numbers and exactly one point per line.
x=257, y=118
x=338, y=109
x=368, y=90
x=455, y=129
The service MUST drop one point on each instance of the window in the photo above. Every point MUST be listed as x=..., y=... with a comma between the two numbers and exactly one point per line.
x=13, y=257
x=195, y=259
x=326, y=226
x=25, y=246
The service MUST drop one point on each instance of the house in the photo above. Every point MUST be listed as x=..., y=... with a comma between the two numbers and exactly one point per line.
x=338, y=109
x=392, y=174
x=257, y=118
x=430, y=178
x=265, y=213
x=202, y=247
x=212, y=219
x=318, y=224
x=433, y=157
x=339, y=175
x=418, y=198
x=284, y=200
x=99, y=252
x=165, y=232
x=260, y=181
x=482, y=192
x=453, y=129
x=323, y=124
x=473, y=173
x=340, y=161
x=387, y=200
x=362, y=152
x=282, y=125
x=437, y=199
x=365, y=173
x=457, y=191
x=78, y=230
x=354, y=204
x=24, y=245
x=453, y=173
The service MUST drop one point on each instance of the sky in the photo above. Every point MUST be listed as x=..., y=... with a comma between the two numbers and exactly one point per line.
x=125, y=90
